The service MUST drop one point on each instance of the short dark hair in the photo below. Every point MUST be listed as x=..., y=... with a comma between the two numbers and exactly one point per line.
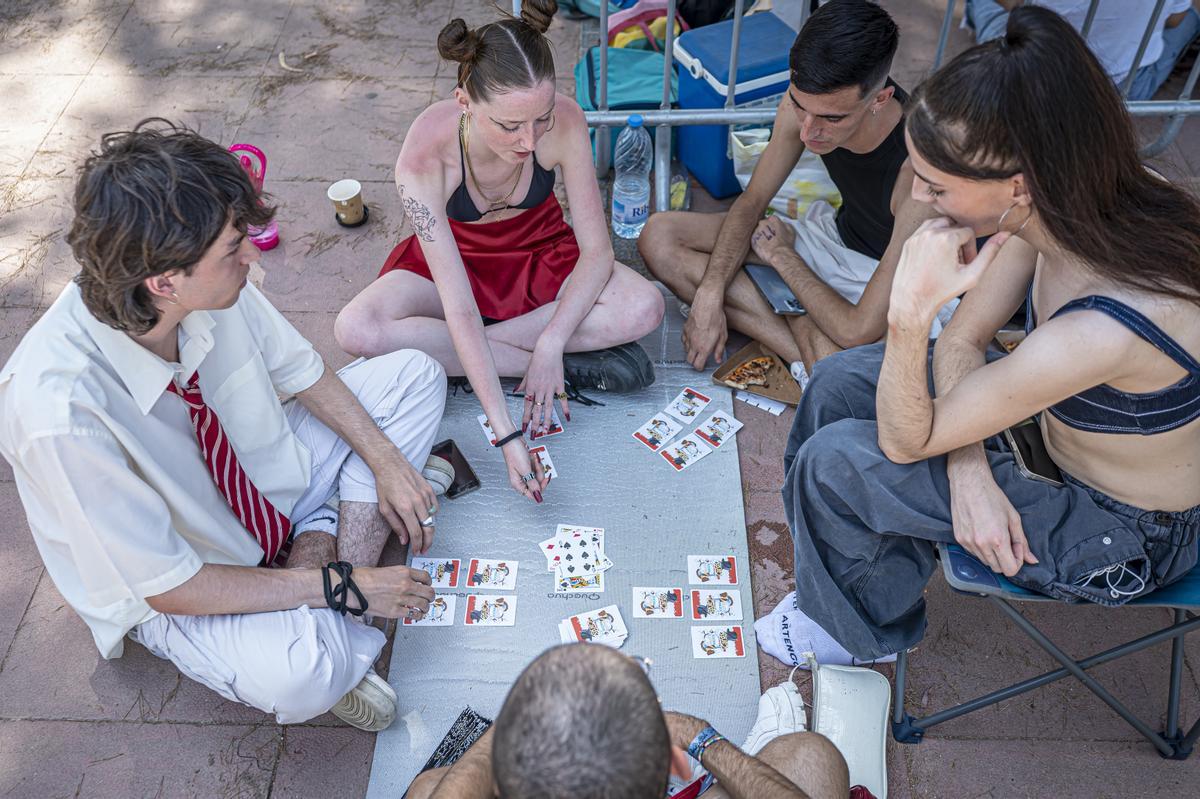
x=572, y=703
x=511, y=53
x=844, y=43
x=152, y=200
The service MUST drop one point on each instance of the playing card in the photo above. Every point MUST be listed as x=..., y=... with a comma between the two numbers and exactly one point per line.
x=543, y=455
x=441, y=612
x=718, y=642
x=658, y=431
x=579, y=550
x=497, y=574
x=718, y=428
x=603, y=626
x=685, y=452
x=491, y=610
x=658, y=603
x=487, y=429
x=568, y=582
x=713, y=604
x=565, y=635
x=443, y=572
x=687, y=405
x=712, y=570
x=554, y=429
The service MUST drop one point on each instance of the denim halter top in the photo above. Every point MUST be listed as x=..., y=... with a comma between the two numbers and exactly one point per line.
x=1104, y=409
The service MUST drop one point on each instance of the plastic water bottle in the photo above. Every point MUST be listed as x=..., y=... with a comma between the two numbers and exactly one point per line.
x=631, y=189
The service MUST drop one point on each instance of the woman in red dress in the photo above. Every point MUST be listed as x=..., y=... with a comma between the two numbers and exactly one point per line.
x=476, y=179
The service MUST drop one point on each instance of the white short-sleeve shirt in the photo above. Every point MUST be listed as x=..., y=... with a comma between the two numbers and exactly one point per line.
x=118, y=496
x=1117, y=29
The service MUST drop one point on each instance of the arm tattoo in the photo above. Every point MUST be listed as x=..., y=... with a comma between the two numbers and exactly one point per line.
x=419, y=214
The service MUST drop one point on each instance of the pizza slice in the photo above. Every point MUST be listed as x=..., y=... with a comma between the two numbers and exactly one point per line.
x=751, y=373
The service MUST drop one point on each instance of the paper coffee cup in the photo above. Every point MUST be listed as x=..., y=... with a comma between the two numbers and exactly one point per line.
x=346, y=196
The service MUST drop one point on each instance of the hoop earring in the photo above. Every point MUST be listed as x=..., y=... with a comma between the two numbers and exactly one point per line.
x=174, y=298
x=1000, y=222
x=550, y=127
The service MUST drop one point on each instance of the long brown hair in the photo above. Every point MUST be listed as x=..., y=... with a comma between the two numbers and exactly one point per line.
x=508, y=54
x=1038, y=102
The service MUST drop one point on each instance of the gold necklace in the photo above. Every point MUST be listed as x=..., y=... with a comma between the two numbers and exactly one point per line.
x=464, y=138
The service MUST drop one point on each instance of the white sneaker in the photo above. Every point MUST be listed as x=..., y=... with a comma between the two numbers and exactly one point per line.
x=780, y=712
x=370, y=706
x=440, y=474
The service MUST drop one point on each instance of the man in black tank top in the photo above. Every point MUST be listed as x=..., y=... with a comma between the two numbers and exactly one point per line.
x=841, y=105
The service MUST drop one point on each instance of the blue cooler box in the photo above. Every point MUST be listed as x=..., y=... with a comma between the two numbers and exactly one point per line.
x=702, y=62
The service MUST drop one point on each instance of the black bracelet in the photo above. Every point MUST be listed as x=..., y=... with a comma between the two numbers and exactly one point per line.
x=336, y=597
x=513, y=436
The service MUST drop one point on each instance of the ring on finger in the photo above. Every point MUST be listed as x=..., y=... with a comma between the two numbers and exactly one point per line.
x=562, y=395
x=432, y=510
x=529, y=477
x=538, y=404
x=427, y=521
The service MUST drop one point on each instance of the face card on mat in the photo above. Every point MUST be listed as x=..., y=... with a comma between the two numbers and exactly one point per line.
x=718, y=428
x=598, y=626
x=568, y=582
x=685, y=452
x=496, y=574
x=487, y=429
x=715, y=605
x=658, y=431
x=441, y=612
x=554, y=428
x=718, y=642
x=443, y=572
x=543, y=455
x=657, y=603
x=712, y=570
x=687, y=405
x=491, y=610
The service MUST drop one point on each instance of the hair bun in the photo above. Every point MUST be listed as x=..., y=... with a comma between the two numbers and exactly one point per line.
x=457, y=42
x=537, y=14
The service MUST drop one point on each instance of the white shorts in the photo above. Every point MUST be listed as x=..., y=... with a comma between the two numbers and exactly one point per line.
x=843, y=269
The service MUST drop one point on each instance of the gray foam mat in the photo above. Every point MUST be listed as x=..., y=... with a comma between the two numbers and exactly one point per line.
x=654, y=518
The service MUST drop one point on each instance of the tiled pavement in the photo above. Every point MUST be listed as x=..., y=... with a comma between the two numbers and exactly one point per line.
x=72, y=724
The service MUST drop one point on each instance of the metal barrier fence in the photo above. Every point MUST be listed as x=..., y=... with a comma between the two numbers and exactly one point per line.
x=665, y=117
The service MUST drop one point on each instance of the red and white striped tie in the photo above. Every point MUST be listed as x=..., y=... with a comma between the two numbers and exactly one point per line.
x=268, y=526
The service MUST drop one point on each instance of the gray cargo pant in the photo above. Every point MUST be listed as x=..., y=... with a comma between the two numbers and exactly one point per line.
x=865, y=528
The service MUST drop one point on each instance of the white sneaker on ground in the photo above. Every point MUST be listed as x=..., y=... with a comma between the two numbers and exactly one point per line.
x=799, y=374
x=780, y=712
x=788, y=635
x=440, y=474
x=370, y=706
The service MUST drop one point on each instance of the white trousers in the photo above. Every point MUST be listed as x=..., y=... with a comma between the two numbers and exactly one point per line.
x=298, y=663
x=843, y=269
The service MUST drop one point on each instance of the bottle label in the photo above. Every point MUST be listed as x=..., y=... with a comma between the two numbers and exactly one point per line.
x=630, y=214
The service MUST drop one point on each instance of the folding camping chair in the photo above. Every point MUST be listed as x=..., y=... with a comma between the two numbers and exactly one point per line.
x=967, y=575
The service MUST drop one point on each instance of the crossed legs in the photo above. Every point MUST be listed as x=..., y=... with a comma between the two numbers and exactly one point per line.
x=402, y=310
x=677, y=245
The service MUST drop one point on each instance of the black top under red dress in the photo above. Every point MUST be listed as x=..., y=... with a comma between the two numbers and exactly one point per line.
x=514, y=265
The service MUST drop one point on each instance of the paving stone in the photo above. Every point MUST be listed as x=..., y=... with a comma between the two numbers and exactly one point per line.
x=136, y=761
x=333, y=761
x=41, y=102
x=83, y=686
x=62, y=38
x=35, y=260
x=213, y=106
x=1036, y=769
x=182, y=37
x=326, y=129
x=319, y=265
x=22, y=565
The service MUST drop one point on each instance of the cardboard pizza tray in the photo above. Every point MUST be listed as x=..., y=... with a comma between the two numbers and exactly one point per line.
x=780, y=386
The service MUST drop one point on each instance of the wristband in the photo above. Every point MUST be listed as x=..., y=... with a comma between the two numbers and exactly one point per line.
x=704, y=739
x=336, y=597
x=513, y=436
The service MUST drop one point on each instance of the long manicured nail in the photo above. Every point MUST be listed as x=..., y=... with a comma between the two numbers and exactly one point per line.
x=537, y=495
x=524, y=427
x=568, y=417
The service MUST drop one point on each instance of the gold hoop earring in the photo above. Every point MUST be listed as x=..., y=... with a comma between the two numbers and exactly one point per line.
x=1000, y=222
x=550, y=127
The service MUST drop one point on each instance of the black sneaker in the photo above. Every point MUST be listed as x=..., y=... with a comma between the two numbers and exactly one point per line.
x=625, y=367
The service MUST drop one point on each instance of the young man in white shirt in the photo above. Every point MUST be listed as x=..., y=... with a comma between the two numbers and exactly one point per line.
x=159, y=469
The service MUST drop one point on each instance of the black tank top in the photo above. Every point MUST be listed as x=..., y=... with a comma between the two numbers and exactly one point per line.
x=461, y=208
x=866, y=181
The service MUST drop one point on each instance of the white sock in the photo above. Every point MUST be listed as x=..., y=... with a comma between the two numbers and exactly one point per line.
x=323, y=519
x=788, y=635
x=800, y=374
